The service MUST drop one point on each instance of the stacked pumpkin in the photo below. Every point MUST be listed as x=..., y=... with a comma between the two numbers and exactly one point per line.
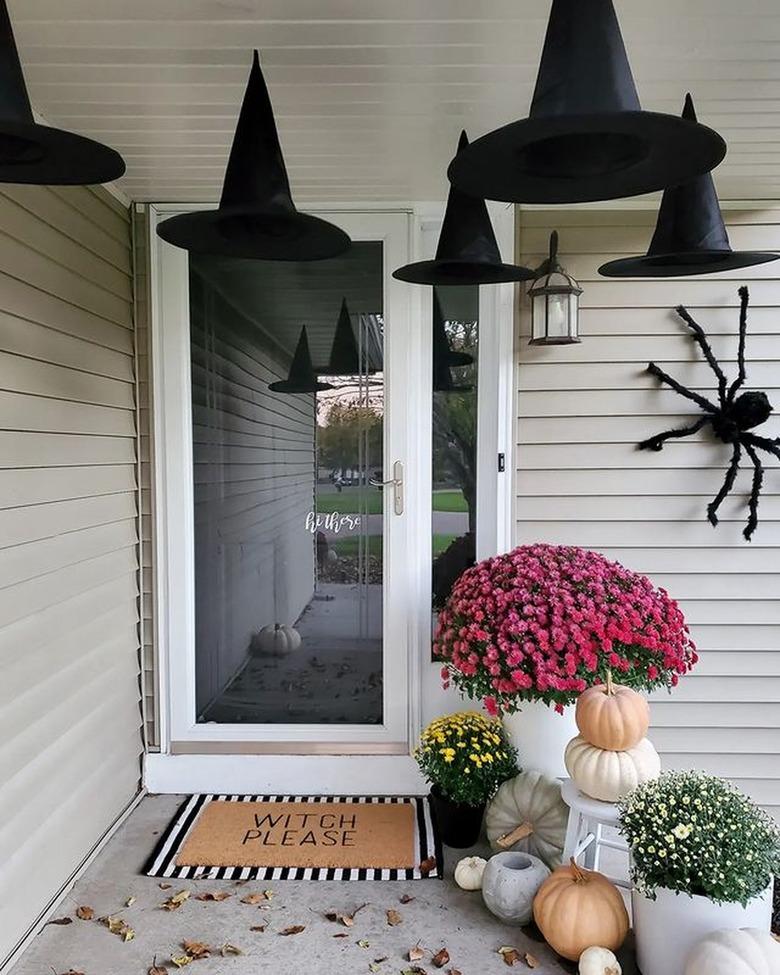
x=611, y=755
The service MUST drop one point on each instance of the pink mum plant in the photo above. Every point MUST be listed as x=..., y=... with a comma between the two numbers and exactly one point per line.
x=544, y=622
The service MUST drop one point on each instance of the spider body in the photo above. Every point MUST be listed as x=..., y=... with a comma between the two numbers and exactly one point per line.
x=731, y=419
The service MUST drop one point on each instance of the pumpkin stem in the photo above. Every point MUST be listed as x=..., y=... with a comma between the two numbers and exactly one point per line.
x=518, y=833
x=610, y=684
x=579, y=876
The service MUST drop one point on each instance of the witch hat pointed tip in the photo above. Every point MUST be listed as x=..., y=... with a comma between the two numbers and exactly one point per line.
x=689, y=112
x=463, y=141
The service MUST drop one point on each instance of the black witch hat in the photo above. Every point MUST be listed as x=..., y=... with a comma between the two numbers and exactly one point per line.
x=587, y=137
x=345, y=358
x=256, y=217
x=690, y=236
x=301, y=377
x=467, y=252
x=40, y=154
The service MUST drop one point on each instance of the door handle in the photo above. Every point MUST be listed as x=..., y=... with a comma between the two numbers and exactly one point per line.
x=397, y=480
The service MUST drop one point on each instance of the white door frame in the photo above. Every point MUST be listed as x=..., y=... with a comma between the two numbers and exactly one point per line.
x=193, y=757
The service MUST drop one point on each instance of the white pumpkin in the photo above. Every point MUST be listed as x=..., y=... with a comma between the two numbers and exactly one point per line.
x=606, y=775
x=743, y=952
x=468, y=873
x=275, y=640
x=599, y=961
x=528, y=814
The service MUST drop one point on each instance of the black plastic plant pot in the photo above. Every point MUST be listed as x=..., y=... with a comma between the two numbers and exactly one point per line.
x=459, y=824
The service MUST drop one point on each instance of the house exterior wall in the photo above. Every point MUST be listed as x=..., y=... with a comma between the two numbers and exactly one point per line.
x=580, y=480
x=69, y=704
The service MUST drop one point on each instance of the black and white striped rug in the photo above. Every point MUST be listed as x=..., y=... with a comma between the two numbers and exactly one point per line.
x=162, y=863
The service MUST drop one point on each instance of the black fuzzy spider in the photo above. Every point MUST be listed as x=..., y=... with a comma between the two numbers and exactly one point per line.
x=730, y=420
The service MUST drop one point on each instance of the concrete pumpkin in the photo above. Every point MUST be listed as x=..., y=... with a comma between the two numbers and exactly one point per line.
x=275, y=640
x=746, y=951
x=576, y=908
x=612, y=716
x=527, y=814
x=607, y=775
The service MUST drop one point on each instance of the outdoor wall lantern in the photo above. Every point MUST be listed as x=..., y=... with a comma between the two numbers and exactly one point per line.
x=555, y=300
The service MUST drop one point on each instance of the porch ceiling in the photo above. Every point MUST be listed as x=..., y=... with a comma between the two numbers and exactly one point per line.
x=370, y=95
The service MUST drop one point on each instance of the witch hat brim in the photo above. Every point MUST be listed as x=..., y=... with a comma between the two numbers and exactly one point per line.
x=42, y=154
x=256, y=217
x=467, y=252
x=586, y=138
x=690, y=236
x=301, y=377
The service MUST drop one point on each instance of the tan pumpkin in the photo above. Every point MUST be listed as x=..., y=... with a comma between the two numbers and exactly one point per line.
x=612, y=716
x=576, y=908
x=609, y=776
x=529, y=814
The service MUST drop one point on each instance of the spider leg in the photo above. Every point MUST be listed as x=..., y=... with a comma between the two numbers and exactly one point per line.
x=743, y=297
x=755, y=491
x=728, y=484
x=703, y=402
x=771, y=446
x=709, y=355
x=657, y=442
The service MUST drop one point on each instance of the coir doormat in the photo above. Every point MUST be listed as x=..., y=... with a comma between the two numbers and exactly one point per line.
x=250, y=837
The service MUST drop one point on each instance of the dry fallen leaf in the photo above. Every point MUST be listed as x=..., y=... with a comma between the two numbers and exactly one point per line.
x=85, y=913
x=416, y=953
x=196, y=949
x=406, y=898
x=175, y=902
x=414, y=970
x=363, y=943
x=165, y=886
x=509, y=954
x=61, y=920
x=180, y=960
x=217, y=895
x=441, y=958
x=293, y=929
x=118, y=926
x=157, y=969
x=346, y=919
x=229, y=949
x=393, y=917
x=428, y=866
x=378, y=961
x=258, y=927
x=130, y=901
x=453, y=971
x=530, y=960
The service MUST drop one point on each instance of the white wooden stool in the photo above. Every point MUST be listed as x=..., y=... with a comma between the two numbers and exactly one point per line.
x=585, y=832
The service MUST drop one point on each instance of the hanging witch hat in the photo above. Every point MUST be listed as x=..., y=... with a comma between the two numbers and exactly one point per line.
x=345, y=358
x=467, y=252
x=587, y=137
x=690, y=236
x=40, y=154
x=301, y=377
x=256, y=217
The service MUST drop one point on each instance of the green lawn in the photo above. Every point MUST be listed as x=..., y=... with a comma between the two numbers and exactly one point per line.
x=348, y=547
x=348, y=501
x=449, y=501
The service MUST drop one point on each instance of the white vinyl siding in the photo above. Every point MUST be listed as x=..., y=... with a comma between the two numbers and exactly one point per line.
x=580, y=479
x=70, y=739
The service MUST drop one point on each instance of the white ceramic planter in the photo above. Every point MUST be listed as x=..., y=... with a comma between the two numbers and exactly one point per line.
x=510, y=883
x=668, y=928
x=540, y=736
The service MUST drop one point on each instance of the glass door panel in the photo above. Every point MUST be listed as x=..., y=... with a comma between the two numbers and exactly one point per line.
x=288, y=415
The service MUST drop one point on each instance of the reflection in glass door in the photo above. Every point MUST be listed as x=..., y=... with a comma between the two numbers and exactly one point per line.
x=288, y=414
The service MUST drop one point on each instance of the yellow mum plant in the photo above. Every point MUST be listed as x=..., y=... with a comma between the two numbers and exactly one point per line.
x=466, y=755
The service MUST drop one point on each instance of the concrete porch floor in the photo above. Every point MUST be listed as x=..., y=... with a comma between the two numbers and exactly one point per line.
x=441, y=915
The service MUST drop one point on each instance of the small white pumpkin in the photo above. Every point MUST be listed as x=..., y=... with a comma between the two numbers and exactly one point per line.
x=607, y=775
x=528, y=814
x=599, y=961
x=469, y=871
x=275, y=640
x=747, y=951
